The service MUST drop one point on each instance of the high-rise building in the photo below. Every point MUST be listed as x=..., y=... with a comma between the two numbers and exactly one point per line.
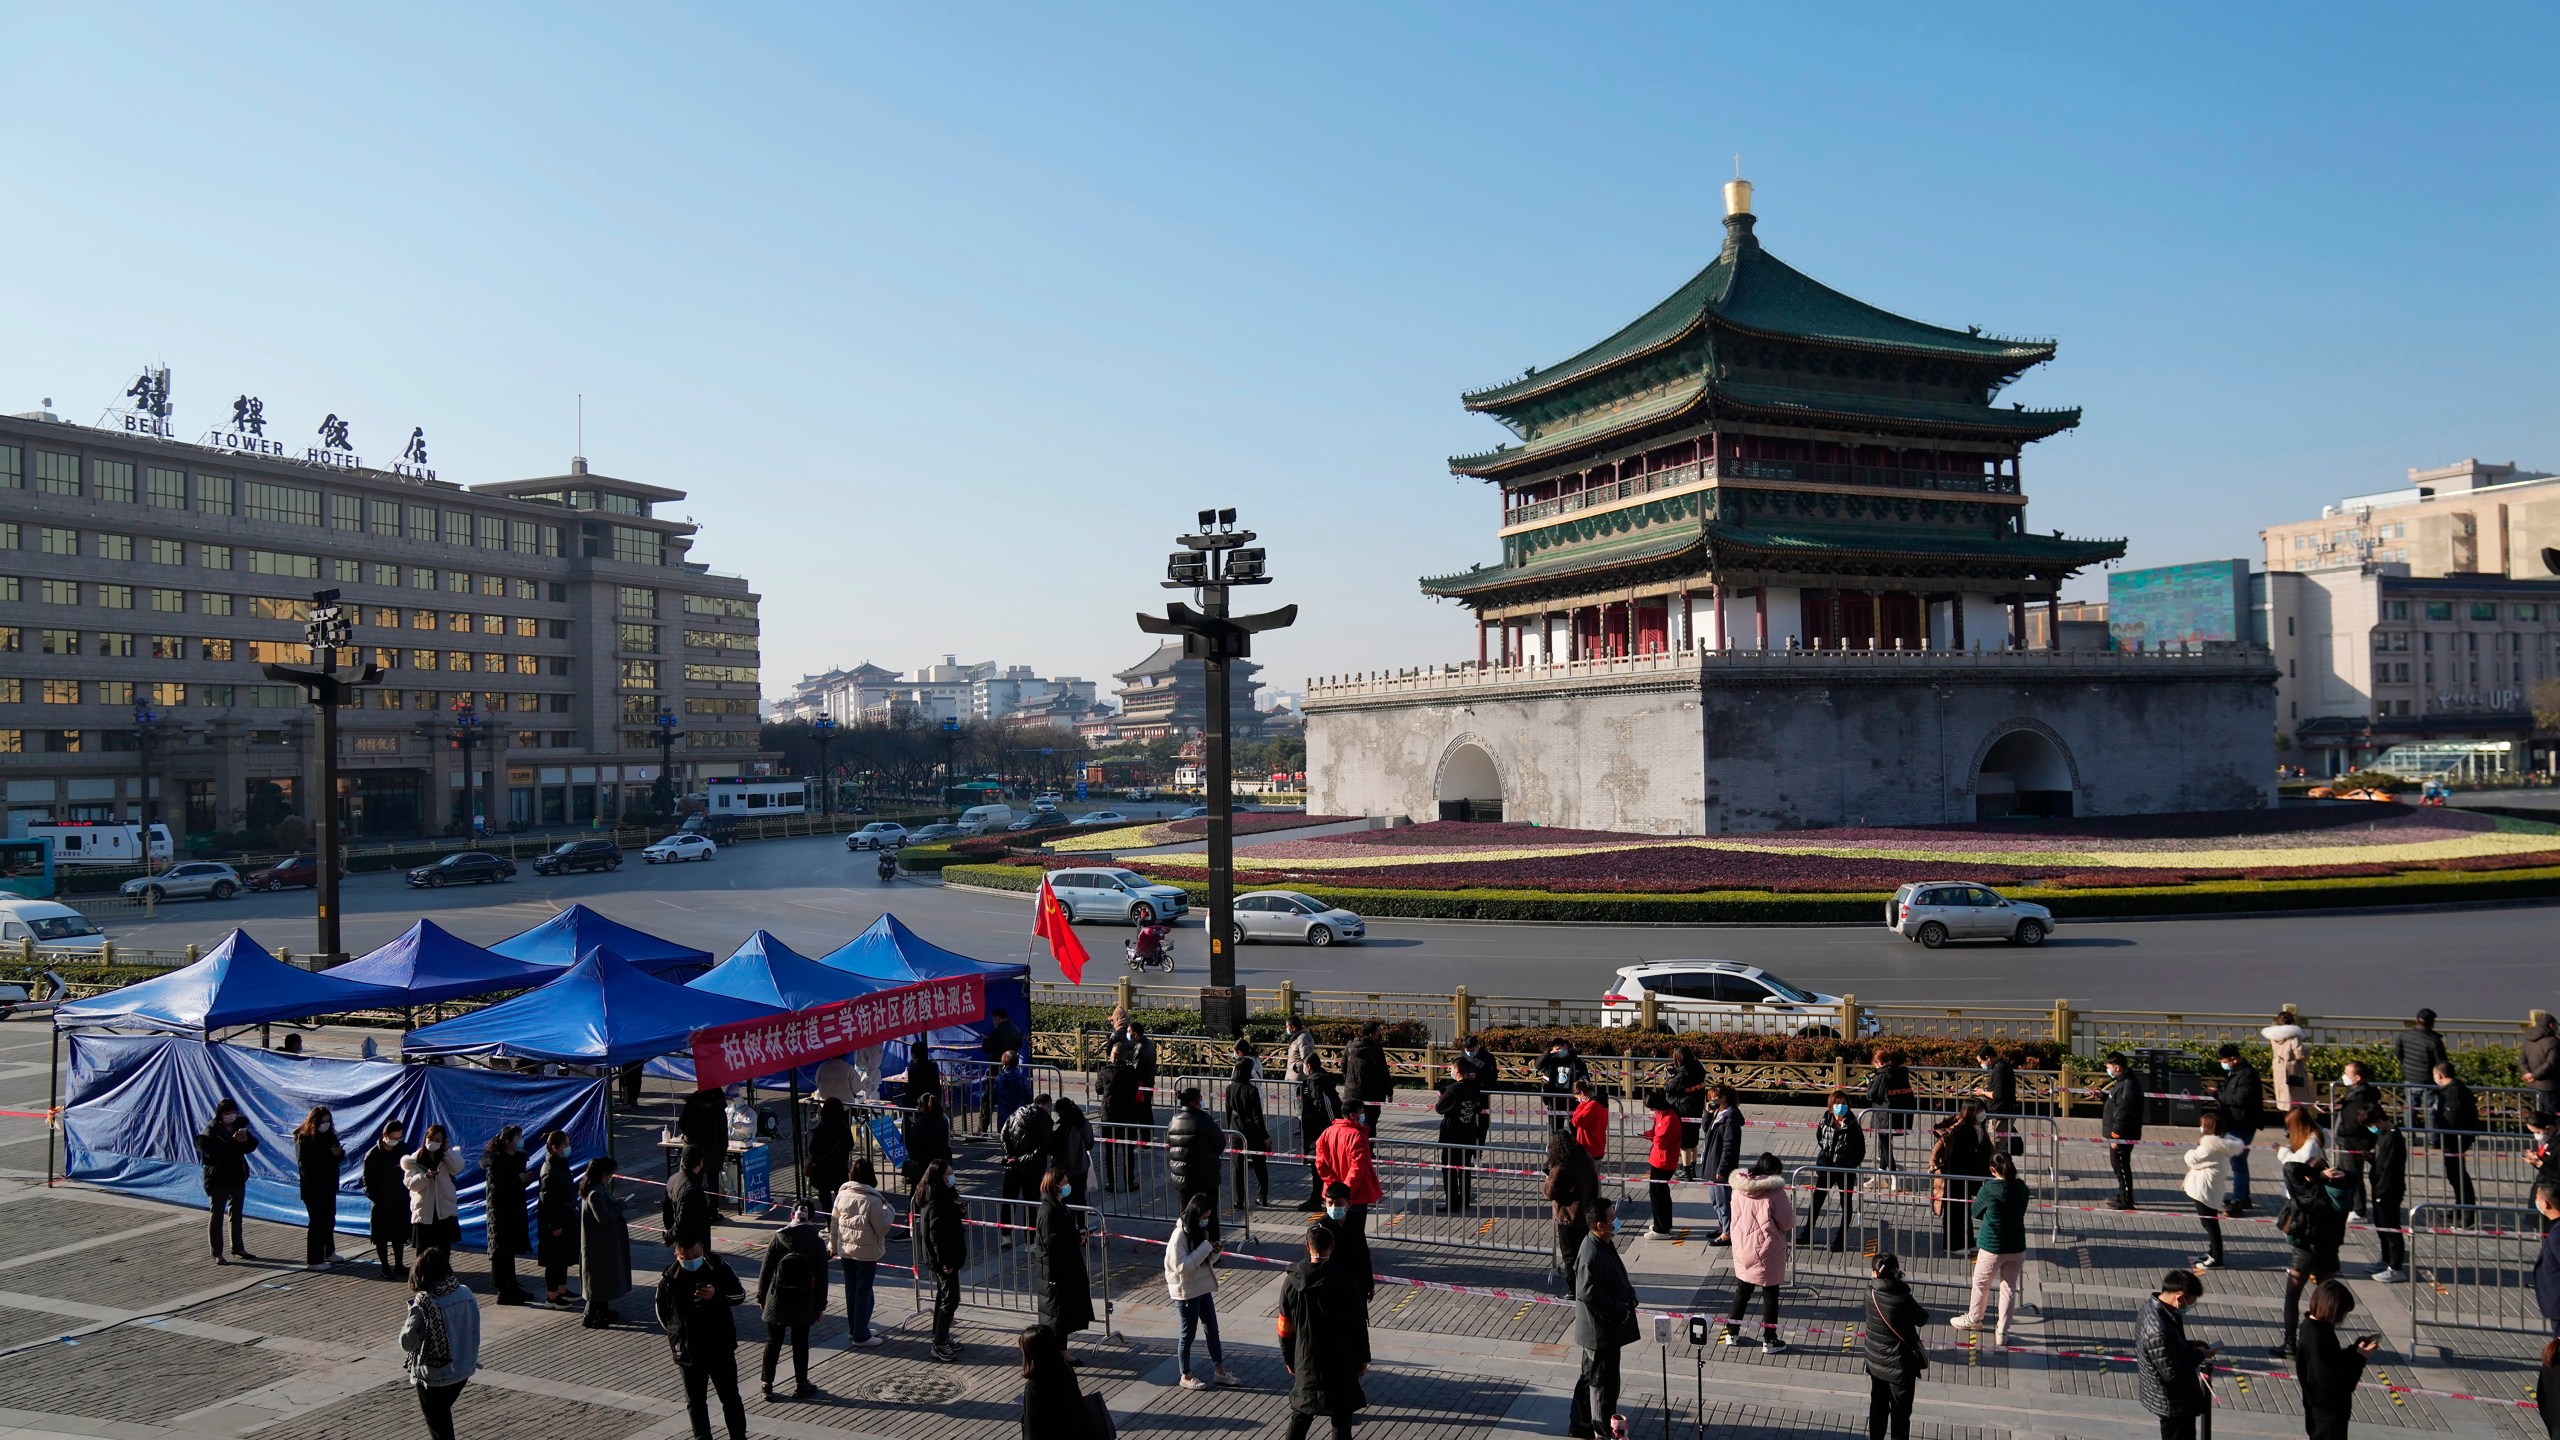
x=145, y=580
x=2467, y=518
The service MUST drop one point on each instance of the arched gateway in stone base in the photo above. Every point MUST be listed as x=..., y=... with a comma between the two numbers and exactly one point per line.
x=2024, y=770
x=1470, y=784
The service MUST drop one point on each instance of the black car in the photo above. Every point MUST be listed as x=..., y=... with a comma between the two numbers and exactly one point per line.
x=474, y=865
x=579, y=855
x=1039, y=820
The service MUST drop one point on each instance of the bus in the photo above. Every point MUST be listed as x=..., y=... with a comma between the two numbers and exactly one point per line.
x=974, y=792
x=26, y=868
x=754, y=799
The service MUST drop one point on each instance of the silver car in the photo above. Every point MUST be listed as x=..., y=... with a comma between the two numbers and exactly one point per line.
x=1288, y=915
x=1937, y=912
x=197, y=879
x=1116, y=895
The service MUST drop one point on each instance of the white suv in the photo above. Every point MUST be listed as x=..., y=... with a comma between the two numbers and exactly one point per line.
x=1116, y=895
x=1721, y=995
x=1936, y=912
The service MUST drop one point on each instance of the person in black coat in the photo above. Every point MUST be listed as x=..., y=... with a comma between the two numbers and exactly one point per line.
x=830, y=1162
x=1195, y=1154
x=555, y=1218
x=704, y=1124
x=1889, y=1090
x=791, y=1290
x=2358, y=1100
x=510, y=1235
x=1894, y=1353
x=1350, y=1240
x=1688, y=1090
x=1324, y=1340
x=223, y=1148
x=2168, y=1367
x=1025, y=1136
x=941, y=1248
x=1559, y=1070
x=686, y=1206
x=927, y=1134
x=2457, y=1120
x=1124, y=1102
x=2242, y=1101
x=696, y=1297
x=1066, y=1288
x=2120, y=1120
x=318, y=1159
x=924, y=1073
x=387, y=1193
x=604, y=1244
x=1054, y=1407
x=1839, y=1150
x=1998, y=1092
x=1366, y=1075
x=2387, y=1177
x=1604, y=1322
x=1244, y=1116
x=2327, y=1368
x=1461, y=1108
x=2419, y=1049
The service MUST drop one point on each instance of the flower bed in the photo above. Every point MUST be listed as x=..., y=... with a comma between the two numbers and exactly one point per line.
x=1175, y=832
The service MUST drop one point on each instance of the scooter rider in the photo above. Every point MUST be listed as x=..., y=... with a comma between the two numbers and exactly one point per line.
x=1147, y=950
x=888, y=866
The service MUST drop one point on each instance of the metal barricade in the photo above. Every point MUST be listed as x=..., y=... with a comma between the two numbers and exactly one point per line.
x=1472, y=1197
x=1002, y=1271
x=2471, y=1268
x=1864, y=1213
x=2502, y=1107
x=2499, y=1167
x=1133, y=1178
x=1906, y=1150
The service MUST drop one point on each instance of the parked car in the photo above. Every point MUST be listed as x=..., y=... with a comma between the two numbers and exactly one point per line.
x=1039, y=820
x=1288, y=915
x=1722, y=995
x=202, y=879
x=476, y=866
x=979, y=819
x=1192, y=812
x=934, y=833
x=50, y=925
x=679, y=846
x=1116, y=895
x=302, y=870
x=1935, y=913
x=878, y=835
x=592, y=853
x=721, y=829
x=1103, y=817
x=1047, y=800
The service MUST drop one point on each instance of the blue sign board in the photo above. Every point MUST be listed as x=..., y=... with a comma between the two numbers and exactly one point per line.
x=755, y=1171
x=884, y=1133
x=1079, y=789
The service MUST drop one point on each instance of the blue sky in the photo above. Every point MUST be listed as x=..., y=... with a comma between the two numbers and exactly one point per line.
x=948, y=317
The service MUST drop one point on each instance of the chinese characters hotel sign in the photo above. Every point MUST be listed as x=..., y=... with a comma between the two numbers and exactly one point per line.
x=727, y=1054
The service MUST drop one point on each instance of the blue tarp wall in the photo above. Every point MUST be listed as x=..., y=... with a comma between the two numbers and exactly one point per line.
x=137, y=1102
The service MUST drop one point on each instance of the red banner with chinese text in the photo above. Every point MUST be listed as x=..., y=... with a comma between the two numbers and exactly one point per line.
x=724, y=1055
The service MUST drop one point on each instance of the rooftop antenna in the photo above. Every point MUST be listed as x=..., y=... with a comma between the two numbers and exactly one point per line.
x=578, y=461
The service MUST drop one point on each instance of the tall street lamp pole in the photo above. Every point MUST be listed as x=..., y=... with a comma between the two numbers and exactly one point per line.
x=950, y=754
x=466, y=736
x=1210, y=560
x=826, y=728
x=668, y=735
x=145, y=730
x=328, y=631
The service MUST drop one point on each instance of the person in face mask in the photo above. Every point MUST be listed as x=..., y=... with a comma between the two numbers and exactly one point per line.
x=387, y=1195
x=224, y=1148
x=695, y=1298
x=430, y=1173
x=2242, y=1102
x=1350, y=1241
x=2120, y=1120
x=317, y=1157
x=1839, y=1149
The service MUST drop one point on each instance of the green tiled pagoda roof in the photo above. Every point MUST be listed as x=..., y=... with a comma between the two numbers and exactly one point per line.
x=1574, y=560
x=1930, y=542
x=1750, y=289
x=1722, y=395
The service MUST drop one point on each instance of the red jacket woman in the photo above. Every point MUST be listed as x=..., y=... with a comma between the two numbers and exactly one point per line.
x=1342, y=1153
x=1666, y=1140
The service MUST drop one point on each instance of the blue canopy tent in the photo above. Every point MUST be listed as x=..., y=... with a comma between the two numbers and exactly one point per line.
x=238, y=984
x=429, y=963
x=603, y=1011
x=565, y=938
x=893, y=954
x=769, y=972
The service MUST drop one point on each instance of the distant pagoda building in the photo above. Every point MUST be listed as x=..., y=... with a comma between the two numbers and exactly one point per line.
x=1165, y=694
x=1765, y=563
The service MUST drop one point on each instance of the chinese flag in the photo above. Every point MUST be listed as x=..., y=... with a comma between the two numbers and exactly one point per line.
x=1050, y=923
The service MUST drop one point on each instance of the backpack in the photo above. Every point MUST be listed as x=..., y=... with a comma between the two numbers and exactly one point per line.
x=2289, y=1220
x=793, y=1273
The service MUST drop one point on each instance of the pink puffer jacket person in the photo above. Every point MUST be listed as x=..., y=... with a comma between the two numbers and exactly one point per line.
x=1764, y=1218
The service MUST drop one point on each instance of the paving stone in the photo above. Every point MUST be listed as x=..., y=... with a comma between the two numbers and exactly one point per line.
x=1750, y=1422
x=155, y=1269
x=138, y=1373
x=1402, y=1405
x=483, y=1409
x=350, y=1305
x=20, y=1326
x=49, y=1222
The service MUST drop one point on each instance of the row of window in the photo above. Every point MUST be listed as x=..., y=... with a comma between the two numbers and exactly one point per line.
x=118, y=595
x=172, y=694
x=639, y=602
x=168, y=488
x=2499, y=641
x=643, y=709
x=2397, y=673
x=17, y=741
x=54, y=540
x=2529, y=611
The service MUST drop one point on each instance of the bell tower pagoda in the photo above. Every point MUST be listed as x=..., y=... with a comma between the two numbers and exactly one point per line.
x=1763, y=463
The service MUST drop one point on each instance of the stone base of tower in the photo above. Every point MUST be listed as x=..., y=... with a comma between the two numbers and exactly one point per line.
x=1704, y=742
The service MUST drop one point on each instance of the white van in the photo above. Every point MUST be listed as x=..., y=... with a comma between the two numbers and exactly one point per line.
x=81, y=843
x=979, y=819
x=51, y=926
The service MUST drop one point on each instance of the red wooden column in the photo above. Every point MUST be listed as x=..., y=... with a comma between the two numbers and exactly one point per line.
x=1718, y=593
x=2018, y=621
x=1760, y=605
x=2053, y=621
x=1479, y=642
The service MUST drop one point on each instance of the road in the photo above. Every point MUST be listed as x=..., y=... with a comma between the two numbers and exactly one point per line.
x=2473, y=963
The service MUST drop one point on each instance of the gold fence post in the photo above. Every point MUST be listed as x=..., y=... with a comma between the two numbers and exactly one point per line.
x=1648, y=1011
x=2062, y=1026
x=2062, y=1088
x=1123, y=994
x=1288, y=999
x=284, y=954
x=1849, y=1013
x=27, y=953
x=192, y=957
x=1462, y=1013
x=1839, y=1072
x=106, y=955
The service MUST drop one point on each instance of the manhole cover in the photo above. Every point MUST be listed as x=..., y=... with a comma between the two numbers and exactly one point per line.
x=917, y=1390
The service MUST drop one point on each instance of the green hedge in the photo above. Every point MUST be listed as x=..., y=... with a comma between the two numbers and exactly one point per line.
x=2203, y=897
x=1264, y=1027
x=1798, y=1049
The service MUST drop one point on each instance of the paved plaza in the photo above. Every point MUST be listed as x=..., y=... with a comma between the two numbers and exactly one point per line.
x=113, y=1321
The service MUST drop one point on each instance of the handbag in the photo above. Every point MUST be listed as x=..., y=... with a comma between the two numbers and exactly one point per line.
x=1099, y=1416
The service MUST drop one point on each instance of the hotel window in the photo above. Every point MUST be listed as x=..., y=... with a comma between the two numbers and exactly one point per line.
x=2484, y=610
x=457, y=582
x=559, y=704
x=386, y=576
x=274, y=697
x=718, y=674
x=2398, y=609
x=421, y=579
x=214, y=557
x=58, y=642
x=115, y=645
x=168, y=647
x=58, y=592
x=168, y=552
x=635, y=546
x=2439, y=609
x=57, y=474
x=382, y=517
x=528, y=628
x=347, y=572
x=559, y=664
x=639, y=603
x=726, y=607
x=166, y=693
x=279, y=652
x=493, y=532
x=2525, y=611
x=213, y=494
x=494, y=586
x=13, y=475
x=54, y=540
x=115, y=692
x=387, y=658
x=459, y=622
x=116, y=547
x=275, y=562
x=12, y=692
x=115, y=597
x=639, y=674
x=62, y=692
x=457, y=527
x=422, y=523
x=493, y=664
x=173, y=602
x=493, y=624
x=639, y=709
x=8, y=587
x=643, y=638
x=528, y=704
x=422, y=659
x=8, y=534
x=422, y=619
x=346, y=512
x=457, y=660
x=164, y=489
x=523, y=538
x=385, y=618
x=210, y=604
x=112, y=480
x=551, y=541
x=528, y=664
x=8, y=639
x=527, y=590
x=61, y=742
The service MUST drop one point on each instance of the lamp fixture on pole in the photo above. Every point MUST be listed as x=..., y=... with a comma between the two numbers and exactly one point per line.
x=826, y=728
x=1214, y=557
x=328, y=632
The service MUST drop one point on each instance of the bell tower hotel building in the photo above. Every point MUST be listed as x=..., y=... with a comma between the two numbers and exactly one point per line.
x=146, y=579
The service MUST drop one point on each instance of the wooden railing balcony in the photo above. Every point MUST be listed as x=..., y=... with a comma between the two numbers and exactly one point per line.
x=1696, y=666
x=1807, y=472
